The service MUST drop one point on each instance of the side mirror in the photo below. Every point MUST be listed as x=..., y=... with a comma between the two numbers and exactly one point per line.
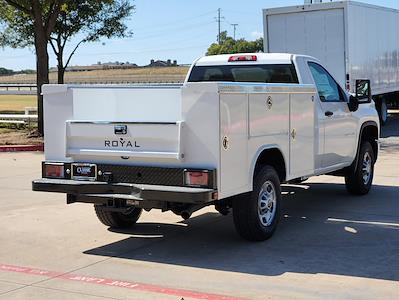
x=363, y=91
x=353, y=103
x=363, y=94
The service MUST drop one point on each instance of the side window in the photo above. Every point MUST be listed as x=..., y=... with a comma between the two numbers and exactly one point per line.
x=329, y=90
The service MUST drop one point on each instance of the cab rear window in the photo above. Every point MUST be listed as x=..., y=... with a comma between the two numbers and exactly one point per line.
x=284, y=73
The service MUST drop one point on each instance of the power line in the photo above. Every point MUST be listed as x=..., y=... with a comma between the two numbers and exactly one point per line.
x=141, y=51
x=177, y=30
x=179, y=21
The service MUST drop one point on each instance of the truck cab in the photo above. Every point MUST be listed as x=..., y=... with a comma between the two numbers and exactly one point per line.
x=238, y=127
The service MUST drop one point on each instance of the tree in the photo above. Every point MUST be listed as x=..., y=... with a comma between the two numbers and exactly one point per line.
x=91, y=20
x=5, y=72
x=17, y=17
x=24, y=23
x=229, y=46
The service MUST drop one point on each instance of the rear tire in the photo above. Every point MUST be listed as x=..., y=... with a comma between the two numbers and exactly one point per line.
x=383, y=112
x=117, y=219
x=257, y=213
x=359, y=181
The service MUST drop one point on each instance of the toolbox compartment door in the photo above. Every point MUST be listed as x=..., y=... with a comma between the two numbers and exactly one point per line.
x=302, y=125
x=143, y=140
x=233, y=143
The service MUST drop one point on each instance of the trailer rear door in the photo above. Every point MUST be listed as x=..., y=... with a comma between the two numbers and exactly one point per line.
x=319, y=33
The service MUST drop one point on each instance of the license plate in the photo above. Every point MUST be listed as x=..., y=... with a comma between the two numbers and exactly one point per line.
x=84, y=172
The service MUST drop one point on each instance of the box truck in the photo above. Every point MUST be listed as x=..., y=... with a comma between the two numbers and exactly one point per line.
x=353, y=40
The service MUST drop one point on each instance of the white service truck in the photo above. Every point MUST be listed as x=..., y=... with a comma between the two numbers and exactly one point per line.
x=353, y=40
x=238, y=127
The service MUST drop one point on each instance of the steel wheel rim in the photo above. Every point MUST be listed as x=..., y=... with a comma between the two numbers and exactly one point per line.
x=267, y=202
x=366, y=167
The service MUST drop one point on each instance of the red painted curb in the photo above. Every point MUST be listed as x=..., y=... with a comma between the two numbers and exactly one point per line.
x=18, y=148
x=180, y=293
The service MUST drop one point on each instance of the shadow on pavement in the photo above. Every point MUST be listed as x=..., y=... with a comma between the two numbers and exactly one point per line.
x=322, y=230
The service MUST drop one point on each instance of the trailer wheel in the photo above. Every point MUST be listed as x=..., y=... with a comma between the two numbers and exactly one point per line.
x=117, y=219
x=359, y=181
x=383, y=112
x=257, y=213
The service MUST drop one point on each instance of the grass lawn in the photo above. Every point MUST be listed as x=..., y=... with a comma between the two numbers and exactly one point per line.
x=17, y=102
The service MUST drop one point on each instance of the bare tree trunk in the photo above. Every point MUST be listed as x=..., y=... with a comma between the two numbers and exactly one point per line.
x=61, y=72
x=42, y=31
x=61, y=68
x=42, y=74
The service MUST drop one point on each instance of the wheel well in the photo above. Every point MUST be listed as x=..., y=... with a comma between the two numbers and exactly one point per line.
x=370, y=134
x=272, y=157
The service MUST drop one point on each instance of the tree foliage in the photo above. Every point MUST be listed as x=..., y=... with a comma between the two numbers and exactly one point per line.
x=90, y=20
x=39, y=23
x=16, y=18
x=229, y=46
x=5, y=72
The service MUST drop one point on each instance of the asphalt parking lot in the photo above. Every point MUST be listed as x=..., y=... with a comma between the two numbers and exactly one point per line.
x=329, y=245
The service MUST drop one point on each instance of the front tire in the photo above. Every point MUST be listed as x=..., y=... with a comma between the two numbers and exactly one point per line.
x=117, y=219
x=359, y=181
x=257, y=213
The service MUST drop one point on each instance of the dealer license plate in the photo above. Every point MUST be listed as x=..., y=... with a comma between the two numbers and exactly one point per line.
x=84, y=172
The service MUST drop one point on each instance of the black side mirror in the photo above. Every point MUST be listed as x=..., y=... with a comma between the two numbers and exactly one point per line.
x=363, y=91
x=363, y=94
x=353, y=103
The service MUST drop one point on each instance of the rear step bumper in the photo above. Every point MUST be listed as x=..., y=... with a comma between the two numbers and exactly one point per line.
x=91, y=191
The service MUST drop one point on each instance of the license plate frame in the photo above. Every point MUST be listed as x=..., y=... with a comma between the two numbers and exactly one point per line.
x=87, y=172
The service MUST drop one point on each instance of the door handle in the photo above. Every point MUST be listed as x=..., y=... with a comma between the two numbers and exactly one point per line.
x=328, y=113
x=293, y=134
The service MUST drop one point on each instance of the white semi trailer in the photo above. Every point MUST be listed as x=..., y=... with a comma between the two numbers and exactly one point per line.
x=353, y=40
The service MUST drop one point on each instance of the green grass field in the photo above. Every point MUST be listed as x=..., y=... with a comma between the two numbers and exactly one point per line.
x=17, y=102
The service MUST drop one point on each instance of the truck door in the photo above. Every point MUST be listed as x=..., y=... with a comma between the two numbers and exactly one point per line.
x=339, y=128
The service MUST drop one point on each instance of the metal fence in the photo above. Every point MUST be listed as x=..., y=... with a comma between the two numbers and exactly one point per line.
x=18, y=89
x=31, y=88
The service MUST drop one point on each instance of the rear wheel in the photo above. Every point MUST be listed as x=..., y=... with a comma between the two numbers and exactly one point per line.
x=257, y=213
x=358, y=181
x=383, y=112
x=117, y=219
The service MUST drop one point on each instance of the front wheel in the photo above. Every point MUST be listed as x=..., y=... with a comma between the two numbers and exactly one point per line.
x=117, y=219
x=358, y=181
x=257, y=213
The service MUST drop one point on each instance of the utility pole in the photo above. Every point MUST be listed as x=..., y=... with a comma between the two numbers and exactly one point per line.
x=234, y=28
x=218, y=20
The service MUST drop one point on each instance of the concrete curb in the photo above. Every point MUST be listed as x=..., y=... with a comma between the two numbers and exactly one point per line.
x=19, y=148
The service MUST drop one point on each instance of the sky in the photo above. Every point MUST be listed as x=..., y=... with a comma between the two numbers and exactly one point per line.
x=168, y=29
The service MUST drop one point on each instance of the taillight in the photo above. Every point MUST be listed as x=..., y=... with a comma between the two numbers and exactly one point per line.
x=54, y=170
x=243, y=58
x=196, y=178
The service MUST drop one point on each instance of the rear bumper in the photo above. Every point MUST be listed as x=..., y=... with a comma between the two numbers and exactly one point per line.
x=92, y=192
